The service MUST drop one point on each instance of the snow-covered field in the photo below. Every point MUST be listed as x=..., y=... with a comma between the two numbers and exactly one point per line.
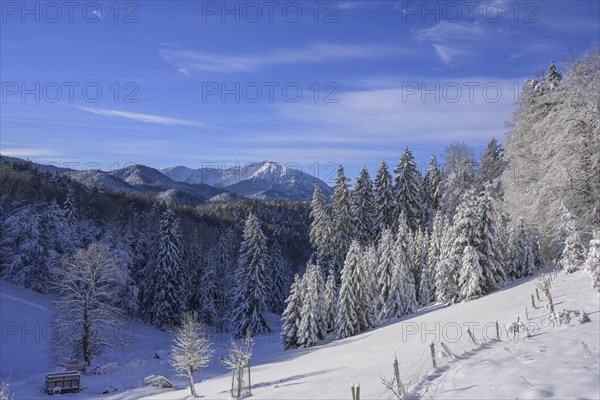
x=553, y=363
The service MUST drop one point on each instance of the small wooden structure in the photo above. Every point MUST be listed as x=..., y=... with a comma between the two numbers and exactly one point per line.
x=63, y=382
x=158, y=381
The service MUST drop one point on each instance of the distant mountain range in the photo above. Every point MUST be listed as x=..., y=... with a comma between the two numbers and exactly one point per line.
x=263, y=180
x=186, y=186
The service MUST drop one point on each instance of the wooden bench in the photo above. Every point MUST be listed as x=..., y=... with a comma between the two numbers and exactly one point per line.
x=63, y=382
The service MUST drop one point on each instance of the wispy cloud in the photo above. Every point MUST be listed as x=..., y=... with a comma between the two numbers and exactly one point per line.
x=190, y=60
x=27, y=152
x=445, y=31
x=452, y=40
x=417, y=111
x=149, y=118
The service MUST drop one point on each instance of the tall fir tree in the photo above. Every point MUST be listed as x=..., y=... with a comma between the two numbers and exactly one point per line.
x=404, y=287
x=278, y=268
x=434, y=261
x=312, y=322
x=321, y=233
x=407, y=186
x=491, y=167
x=363, y=209
x=371, y=286
x=522, y=261
x=347, y=322
x=167, y=282
x=253, y=282
x=292, y=316
x=342, y=219
x=432, y=193
x=363, y=288
x=386, y=275
x=330, y=302
x=465, y=232
x=418, y=252
x=384, y=201
x=490, y=258
x=471, y=279
x=573, y=255
x=224, y=258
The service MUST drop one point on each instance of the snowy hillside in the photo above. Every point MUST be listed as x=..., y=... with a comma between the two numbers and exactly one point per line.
x=555, y=362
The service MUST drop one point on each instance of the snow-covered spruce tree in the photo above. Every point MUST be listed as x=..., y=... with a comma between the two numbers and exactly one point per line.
x=459, y=171
x=86, y=321
x=119, y=241
x=592, y=262
x=446, y=284
x=253, y=282
x=330, y=302
x=321, y=233
x=56, y=244
x=384, y=201
x=490, y=257
x=386, y=307
x=291, y=316
x=363, y=209
x=432, y=194
x=72, y=216
x=23, y=252
x=553, y=151
x=418, y=252
x=403, y=289
x=347, y=322
x=407, y=187
x=491, y=167
x=207, y=290
x=312, y=322
x=278, y=267
x=522, y=262
x=363, y=287
x=342, y=219
x=573, y=255
x=471, y=279
x=371, y=286
x=191, y=349
x=465, y=232
x=224, y=258
x=33, y=245
x=167, y=289
x=434, y=258
x=427, y=272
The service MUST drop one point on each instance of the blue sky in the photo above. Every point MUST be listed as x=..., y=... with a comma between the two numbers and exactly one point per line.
x=316, y=83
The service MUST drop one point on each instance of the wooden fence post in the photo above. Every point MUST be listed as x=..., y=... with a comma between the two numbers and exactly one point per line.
x=400, y=387
x=532, y=302
x=537, y=294
x=497, y=330
x=432, y=345
x=447, y=349
x=471, y=335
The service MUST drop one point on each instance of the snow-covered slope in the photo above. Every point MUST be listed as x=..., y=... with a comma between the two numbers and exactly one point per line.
x=553, y=363
x=263, y=180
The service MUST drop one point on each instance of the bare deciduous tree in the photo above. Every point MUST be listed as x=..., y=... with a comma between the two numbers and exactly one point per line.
x=191, y=349
x=86, y=319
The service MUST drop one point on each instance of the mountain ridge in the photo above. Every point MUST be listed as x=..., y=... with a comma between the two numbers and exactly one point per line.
x=265, y=180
